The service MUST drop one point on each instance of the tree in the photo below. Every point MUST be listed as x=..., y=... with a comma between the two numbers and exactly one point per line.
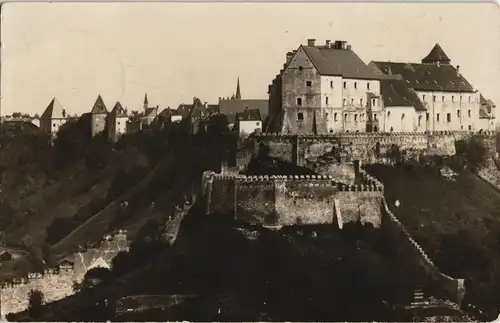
x=96, y=276
x=35, y=303
x=473, y=150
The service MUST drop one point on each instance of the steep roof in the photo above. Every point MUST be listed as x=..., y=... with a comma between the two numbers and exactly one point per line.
x=231, y=107
x=99, y=106
x=437, y=54
x=249, y=115
x=396, y=93
x=118, y=111
x=54, y=111
x=150, y=110
x=338, y=62
x=427, y=77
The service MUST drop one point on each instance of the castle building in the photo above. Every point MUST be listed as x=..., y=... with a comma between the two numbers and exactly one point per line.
x=234, y=105
x=450, y=101
x=328, y=88
x=98, y=116
x=324, y=89
x=117, y=122
x=53, y=118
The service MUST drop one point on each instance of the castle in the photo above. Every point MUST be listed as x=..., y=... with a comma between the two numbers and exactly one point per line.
x=328, y=88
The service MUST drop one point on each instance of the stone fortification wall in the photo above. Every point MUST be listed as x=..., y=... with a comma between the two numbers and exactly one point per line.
x=444, y=286
x=289, y=200
x=57, y=283
x=368, y=147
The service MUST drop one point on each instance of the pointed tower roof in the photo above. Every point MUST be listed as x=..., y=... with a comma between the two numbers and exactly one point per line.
x=145, y=99
x=118, y=111
x=437, y=55
x=99, y=106
x=238, y=92
x=53, y=111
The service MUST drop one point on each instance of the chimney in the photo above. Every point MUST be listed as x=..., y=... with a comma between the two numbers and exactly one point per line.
x=344, y=44
x=327, y=43
x=348, y=47
x=289, y=56
x=338, y=44
x=311, y=42
x=458, y=69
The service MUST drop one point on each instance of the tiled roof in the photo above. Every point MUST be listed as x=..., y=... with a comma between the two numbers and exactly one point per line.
x=54, y=111
x=231, y=107
x=99, y=106
x=249, y=115
x=427, y=77
x=149, y=111
x=118, y=111
x=338, y=62
x=396, y=93
x=437, y=54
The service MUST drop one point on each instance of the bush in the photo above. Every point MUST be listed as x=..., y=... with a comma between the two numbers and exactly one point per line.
x=473, y=151
x=35, y=308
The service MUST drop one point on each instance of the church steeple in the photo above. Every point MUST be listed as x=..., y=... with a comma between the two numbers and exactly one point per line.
x=238, y=92
x=145, y=101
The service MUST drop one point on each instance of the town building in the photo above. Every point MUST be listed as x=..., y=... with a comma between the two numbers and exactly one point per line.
x=117, y=122
x=98, y=116
x=196, y=115
x=149, y=114
x=53, y=118
x=248, y=122
x=451, y=103
x=324, y=89
x=231, y=106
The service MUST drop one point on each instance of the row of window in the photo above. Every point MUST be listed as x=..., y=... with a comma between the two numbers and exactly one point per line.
x=443, y=98
x=309, y=84
x=361, y=101
x=300, y=117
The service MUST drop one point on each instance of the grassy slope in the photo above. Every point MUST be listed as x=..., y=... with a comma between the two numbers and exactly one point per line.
x=457, y=223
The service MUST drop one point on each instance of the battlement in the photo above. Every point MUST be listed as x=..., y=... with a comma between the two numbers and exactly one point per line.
x=374, y=134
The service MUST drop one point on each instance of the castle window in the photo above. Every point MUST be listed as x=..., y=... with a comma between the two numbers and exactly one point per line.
x=470, y=127
x=308, y=83
x=326, y=116
x=355, y=118
x=434, y=98
x=437, y=117
x=423, y=97
x=392, y=129
x=448, y=117
x=355, y=85
x=257, y=123
x=345, y=117
x=300, y=116
x=469, y=102
x=427, y=116
x=300, y=68
x=442, y=98
x=452, y=98
x=419, y=121
x=469, y=113
x=299, y=101
x=326, y=100
x=458, y=113
x=388, y=114
x=402, y=116
x=335, y=117
x=331, y=84
x=375, y=117
x=373, y=102
x=345, y=85
x=352, y=101
x=460, y=98
x=361, y=101
x=344, y=101
x=368, y=85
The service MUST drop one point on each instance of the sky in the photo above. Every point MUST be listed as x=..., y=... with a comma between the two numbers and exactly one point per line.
x=177, y=51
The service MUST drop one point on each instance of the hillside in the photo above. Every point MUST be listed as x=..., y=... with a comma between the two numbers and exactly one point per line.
x=55, y=198
x=456, y=222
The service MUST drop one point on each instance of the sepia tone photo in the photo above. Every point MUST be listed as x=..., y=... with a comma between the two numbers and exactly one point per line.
x=249, y=162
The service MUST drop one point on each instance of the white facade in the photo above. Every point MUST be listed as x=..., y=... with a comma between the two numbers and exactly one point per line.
x=248, y=127
x=176, y=118
x=347, y=102
x=451, y=110
x=403, y=119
